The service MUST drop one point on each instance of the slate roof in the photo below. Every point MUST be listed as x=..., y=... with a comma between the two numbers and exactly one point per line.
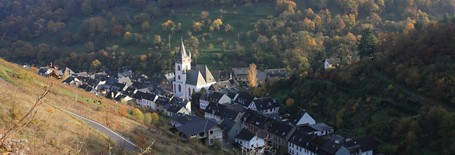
x=266, y=103
x=206, y=74
x=161, y=100
x=321, y=127
x=227, y=125
x=174, y=108
x=68, y=80
x=254, y=118
x=299, y=115
x=179, y=101
x=228, y=113
x=194, y=77
x=193, y=125
x=146, y=96
x=118, y=85
x=220, y=85
x=300, y=138
x=93, y=82
x=330, y=147
x=279, y=72
x=306, y=129
x=244, y=134
x=86, y=87
x=212, y=97
x=244, y=99
x=280, y=129
x=231, y=94
x=366, y=143
x=214, y=108
x=130, y=91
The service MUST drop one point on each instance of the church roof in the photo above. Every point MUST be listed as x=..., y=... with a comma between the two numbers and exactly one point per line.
x=194, y=77
x=182, y=52
x=208, y=76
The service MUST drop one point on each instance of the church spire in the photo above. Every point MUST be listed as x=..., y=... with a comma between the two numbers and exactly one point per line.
x=182, y=48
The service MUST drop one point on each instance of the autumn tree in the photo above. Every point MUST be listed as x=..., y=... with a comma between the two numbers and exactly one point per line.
x=216, y=24
x=204, y=14
x=157, y=40
x=168, y=26
x=155, y=118
x=197, y=26
x=117, y=31
x=137, y=115
x=95, y=64
x=252, y=72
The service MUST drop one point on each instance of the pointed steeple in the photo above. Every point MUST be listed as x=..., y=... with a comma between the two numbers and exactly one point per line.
x=182, y=48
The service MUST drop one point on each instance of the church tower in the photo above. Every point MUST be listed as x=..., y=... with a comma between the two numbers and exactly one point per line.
x=182, y=66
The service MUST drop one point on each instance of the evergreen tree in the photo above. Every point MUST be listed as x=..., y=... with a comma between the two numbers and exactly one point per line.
x=367, y=43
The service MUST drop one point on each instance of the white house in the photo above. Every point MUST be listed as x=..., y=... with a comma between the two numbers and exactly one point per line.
x=189, y=80
x=265, y=106
x=145, y=100
x=301, y=143
x=303, y=118
x=249, y=140
x=322, y=129
x=216, y=97
x=331, y=63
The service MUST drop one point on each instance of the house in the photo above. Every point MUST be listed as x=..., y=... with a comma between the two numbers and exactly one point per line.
x=175, y=109
x=162, y=82
x=222, y=75
x=301, y=143
x=223, y=86
x=362, y=146
x=265, y=105
x=244, y=99
x=125, y=80
x=261, y=77
x=240, y=74
x=322, y=129
x=216, y=97
x=193, y=127
x=331, y=63
x=161, y=103
x=189, y=80
x=249, y=140
x=118, y=87
x=254, y=122
x=213, y=111
x=302, y=118
x=182, y=102
x=146, y=100
x=279, y=133
x=230, y=129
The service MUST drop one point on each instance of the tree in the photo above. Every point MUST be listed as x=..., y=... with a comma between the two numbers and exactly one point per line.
x=117, y=31
x=155, y=118
x=204, y=15
x=157, y=40
x=252, y=81
x=137, y=115
x=216, y=24
x=145, y=26
x=367, y=43
x=168, y=25
x=290, y=102
x=148, y=118
x=197, y=26
x=95, y=64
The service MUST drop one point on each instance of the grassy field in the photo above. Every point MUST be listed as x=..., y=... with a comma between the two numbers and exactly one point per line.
x=55, y=132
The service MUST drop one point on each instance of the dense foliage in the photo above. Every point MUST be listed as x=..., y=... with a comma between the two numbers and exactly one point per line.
x=403, y=95
x=297, y=35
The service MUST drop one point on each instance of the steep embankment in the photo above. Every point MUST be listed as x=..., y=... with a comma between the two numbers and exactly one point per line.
x=53, y=131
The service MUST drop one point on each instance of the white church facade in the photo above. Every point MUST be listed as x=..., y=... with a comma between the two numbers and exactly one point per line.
x=189, y=80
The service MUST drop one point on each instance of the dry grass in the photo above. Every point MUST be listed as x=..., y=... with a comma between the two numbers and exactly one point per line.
x=55, y=132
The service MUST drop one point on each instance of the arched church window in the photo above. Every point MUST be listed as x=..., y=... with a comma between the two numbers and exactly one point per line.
x=189, y=92
x=178, y=77
x=193, y=90
x=178, y=68
x=180, y=88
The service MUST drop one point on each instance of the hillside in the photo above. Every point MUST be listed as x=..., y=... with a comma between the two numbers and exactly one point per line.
x=296, y=35
x=403, y=96
x=53, y=131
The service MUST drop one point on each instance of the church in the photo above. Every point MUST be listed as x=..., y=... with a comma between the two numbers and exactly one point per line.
x=189, y=80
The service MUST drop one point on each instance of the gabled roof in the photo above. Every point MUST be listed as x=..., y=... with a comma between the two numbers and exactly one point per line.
x=240, y=71
x=119, y=85
x=300, y=138
x=244, y=99
x=366, y=143
x=174, y=108
x=194, y=77
x=299, y=115
x=231, y=94
x=161, y=100
x=214, y=108
x=333, y=61
x=68, y=80
x=330, y=147
x=193, y=125
x=254, y=118
x=206, y=74
x=280, y=129
x=321, y=127
x=130, y=91
x=220, y=85
x=179, y=101
x=266, y=103
x=227, y=125
x=244, y=134
x=143, y=95
x=212, y=97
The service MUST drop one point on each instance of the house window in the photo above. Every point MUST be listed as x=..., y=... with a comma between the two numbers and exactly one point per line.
x=180, y=88
x=211, y=132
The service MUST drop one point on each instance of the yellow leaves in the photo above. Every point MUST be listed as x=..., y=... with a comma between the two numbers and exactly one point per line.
x=168, y=25
x=197, y=26
x=252, y=81
x=290, y=102
x=217, y=23
x=350, y=37
x=127, y=36
x=312, y=42
x=408, y=28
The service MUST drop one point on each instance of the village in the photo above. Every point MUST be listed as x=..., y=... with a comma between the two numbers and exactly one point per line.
x=226, y=114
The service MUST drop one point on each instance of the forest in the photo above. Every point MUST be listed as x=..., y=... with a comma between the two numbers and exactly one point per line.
x=296, y=35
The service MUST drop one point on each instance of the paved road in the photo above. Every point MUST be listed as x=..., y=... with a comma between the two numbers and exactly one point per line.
x=117, y=138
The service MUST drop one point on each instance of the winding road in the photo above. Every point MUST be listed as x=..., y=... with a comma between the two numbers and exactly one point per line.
x=117, y=138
